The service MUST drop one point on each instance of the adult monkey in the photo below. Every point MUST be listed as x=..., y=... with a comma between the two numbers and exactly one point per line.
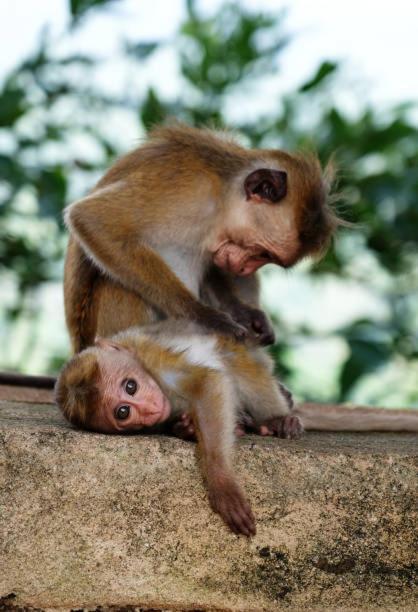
x=177, y=228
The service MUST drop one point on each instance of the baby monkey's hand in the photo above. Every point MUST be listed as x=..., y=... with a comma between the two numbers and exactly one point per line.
x=184, y=428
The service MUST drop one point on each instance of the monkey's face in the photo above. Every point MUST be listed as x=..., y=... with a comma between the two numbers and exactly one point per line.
x=275, y=216
x=131, y=398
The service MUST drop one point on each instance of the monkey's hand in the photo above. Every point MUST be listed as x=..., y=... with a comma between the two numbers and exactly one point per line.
x=222, y=323
x=227, y=499
x=255, y=321
x=185, y=429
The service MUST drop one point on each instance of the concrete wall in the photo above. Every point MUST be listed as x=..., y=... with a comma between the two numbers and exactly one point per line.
x=89, y=520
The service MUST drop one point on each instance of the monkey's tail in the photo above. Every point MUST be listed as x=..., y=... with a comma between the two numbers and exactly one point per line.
x=334, y=417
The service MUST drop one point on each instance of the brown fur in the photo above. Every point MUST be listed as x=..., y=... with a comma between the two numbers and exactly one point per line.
x=232, y=379
x=77, y=391
x=157, y=197
x=80, y=286
x=181, y=151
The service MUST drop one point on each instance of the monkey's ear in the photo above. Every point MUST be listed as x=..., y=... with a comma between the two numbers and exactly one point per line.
x=266, y=185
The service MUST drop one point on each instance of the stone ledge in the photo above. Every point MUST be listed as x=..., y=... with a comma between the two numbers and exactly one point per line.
x=89, y=520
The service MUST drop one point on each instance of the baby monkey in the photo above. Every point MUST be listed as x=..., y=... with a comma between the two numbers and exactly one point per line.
x=145, y=377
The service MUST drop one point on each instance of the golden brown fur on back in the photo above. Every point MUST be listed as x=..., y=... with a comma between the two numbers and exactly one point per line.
x=184, y=149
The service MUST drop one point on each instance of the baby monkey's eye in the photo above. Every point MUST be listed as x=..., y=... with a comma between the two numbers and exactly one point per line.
x=131, y=386
x=122, y=412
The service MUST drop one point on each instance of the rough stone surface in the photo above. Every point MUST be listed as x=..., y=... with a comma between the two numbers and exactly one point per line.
x=90, y=520
x=26, y=394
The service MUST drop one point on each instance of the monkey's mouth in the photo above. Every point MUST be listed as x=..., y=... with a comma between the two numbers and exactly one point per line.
x=149, y=416
x=250, y=264
x=242, y=261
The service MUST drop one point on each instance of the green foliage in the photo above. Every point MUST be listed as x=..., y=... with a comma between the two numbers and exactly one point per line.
x=152, y=110
x=222, y=55
x=140, y=50
x=324, y=70
x=222, y=50
x=12, y=105
x=33, y=185
x=79, y=8
x=370, y=348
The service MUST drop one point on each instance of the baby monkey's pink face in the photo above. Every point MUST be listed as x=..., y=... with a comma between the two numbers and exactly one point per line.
x=131, y=399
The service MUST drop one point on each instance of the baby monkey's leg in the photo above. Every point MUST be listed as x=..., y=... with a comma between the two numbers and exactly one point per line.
x=287, y=426
x=267, y=403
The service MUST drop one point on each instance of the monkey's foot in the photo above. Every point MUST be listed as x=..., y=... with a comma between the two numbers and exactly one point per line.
x=288, y=426
x=184, y=428
x=229, y=501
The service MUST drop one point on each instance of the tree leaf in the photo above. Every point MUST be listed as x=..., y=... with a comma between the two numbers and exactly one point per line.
x=324, y=70
x=13, y=104
x=141, y=50
x=365, y=357
x=52, y=189
x=79, y=8
x=152, y=110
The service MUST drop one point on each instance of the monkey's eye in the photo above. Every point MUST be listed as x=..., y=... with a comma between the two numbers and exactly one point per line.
x=131, y=386
x=122, y=412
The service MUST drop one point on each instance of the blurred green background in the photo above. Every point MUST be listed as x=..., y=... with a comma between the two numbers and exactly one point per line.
x=346, y=327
